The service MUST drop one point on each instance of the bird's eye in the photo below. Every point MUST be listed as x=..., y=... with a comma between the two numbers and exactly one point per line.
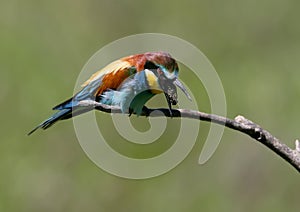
x=150, y=65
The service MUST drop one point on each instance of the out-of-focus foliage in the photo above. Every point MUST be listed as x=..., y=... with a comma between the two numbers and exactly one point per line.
x=255, y=48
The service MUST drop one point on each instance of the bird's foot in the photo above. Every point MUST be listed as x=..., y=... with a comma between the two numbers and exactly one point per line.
x=130, y=112
x=145, y=111
x=171, y=113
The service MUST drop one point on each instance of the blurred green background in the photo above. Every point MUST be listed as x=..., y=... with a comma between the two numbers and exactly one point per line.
x=255, y=48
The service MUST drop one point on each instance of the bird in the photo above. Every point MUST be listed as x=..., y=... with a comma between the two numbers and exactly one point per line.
x=127, y=83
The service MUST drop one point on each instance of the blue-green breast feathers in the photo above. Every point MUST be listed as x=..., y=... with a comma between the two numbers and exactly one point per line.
x=132, y=95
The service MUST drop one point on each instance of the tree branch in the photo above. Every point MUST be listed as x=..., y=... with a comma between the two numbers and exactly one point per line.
x=239, y=123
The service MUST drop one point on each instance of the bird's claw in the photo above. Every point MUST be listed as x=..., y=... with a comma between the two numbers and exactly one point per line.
x=145, y=111
x=130, y=112
x=171, y=113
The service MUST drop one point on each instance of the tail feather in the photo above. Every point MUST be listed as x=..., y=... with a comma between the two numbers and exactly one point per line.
x=54, y=118
x=88, y=92
x=76, y=112
x=66, y=104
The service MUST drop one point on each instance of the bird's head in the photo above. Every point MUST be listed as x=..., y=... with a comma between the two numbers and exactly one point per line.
x=163, y=76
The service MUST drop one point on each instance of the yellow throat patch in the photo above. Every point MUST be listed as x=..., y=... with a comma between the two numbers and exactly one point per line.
x=153, y=82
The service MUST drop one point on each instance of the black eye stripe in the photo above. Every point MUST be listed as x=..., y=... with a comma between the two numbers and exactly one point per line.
x=150, y=65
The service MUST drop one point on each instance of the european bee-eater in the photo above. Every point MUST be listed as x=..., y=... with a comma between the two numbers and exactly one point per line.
x=127, y=83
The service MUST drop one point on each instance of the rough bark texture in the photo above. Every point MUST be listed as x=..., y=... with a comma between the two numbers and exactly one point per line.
x=292, y=156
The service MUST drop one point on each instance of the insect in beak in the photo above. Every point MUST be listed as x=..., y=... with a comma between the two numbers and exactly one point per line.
x=169, y=88
x=170, y=92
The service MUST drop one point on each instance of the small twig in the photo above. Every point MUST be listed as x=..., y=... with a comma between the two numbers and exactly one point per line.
x=239, y=123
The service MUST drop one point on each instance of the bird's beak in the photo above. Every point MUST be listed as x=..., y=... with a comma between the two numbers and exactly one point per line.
x=181, y=86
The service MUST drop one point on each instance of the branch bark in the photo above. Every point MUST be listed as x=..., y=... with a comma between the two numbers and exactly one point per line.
x=239, y=123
